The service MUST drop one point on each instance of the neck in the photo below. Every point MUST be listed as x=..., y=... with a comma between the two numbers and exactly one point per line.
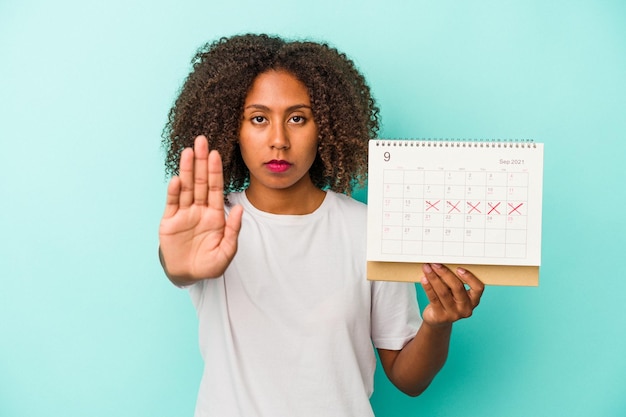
x=302, y=200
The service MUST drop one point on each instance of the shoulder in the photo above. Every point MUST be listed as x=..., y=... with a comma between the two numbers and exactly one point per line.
x=344, y=202
x=347, y=210
x=233, y=199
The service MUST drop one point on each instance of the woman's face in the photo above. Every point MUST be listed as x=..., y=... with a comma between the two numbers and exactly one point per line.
x=278, y=136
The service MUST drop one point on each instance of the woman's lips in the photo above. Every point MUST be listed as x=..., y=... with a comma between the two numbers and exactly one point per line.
x=278, y=166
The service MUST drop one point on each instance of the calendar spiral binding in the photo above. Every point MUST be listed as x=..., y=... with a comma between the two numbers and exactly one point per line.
x=458, y=143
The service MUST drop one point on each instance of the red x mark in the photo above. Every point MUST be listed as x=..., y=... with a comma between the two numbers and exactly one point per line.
x=473, y=207
x=432, y=205
x=493, y=208
x=453, y=206
x=515, y=209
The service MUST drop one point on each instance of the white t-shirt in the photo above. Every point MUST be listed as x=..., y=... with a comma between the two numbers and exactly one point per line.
x=288, y=329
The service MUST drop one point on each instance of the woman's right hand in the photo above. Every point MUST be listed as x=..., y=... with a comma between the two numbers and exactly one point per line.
x=196, y=240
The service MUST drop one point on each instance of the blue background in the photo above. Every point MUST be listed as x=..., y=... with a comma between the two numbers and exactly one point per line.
x=89, y=326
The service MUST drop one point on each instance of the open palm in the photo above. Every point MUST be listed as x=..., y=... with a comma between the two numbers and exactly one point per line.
x=196, y=239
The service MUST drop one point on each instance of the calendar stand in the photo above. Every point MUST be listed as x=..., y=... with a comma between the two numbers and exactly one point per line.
x=525, y=276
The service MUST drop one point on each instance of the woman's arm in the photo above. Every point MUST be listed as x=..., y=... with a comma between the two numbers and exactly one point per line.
x=413, y=368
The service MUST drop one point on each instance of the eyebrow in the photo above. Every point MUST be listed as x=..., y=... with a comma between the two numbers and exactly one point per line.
x=290, y=108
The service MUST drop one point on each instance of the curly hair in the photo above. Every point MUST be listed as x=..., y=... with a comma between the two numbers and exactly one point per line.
x=211, y=102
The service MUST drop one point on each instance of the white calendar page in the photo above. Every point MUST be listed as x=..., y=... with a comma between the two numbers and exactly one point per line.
x=455, y=202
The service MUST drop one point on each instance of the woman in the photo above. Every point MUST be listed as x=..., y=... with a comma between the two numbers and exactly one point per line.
x=273, y=251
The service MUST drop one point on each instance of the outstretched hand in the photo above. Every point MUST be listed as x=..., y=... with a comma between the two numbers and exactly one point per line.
x=196, y=239
x=449, y=299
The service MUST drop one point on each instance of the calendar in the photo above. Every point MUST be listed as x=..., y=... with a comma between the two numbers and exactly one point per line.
x=455, y=202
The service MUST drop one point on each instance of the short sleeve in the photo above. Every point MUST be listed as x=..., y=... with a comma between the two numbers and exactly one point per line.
x=395, y=314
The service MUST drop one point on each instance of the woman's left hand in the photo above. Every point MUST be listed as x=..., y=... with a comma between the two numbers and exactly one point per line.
x=449, y=298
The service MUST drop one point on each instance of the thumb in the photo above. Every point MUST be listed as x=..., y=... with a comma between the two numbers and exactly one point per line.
x=233, y=225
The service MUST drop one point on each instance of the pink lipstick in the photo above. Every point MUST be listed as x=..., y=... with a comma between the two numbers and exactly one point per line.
x=278, y=165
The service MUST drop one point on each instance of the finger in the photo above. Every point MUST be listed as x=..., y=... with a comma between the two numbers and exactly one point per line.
x=186, y=177
x=233, y=226
x=440, y=288
x=430, y=291
x=477, y=287
x=451, y=290
x=216, y=181
x=200, y=170
x=173, y=197
x=454, y=284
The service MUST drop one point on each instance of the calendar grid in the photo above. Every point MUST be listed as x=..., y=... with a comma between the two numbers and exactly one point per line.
x=454, y=213
x=455, y=202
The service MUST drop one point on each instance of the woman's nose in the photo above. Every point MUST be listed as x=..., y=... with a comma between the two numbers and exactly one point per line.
x=279, y=138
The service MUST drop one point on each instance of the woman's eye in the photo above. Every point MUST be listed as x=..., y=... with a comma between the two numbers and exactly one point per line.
x=258, y=119
x=297, y=119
